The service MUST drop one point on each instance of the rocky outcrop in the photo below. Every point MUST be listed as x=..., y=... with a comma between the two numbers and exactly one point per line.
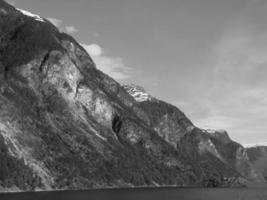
x=220, y=135
x=66, y=125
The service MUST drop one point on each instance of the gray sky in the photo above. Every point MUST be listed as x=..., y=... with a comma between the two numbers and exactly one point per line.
x=208, y=57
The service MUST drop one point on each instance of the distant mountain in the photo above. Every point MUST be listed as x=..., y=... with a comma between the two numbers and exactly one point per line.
x=66, y=125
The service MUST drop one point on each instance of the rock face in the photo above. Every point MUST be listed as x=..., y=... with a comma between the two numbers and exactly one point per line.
x=168, y=121
x=66, y=125
x=211, y=150
x=258, y=157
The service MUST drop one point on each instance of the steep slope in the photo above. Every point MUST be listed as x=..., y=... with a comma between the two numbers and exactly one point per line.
x=211, y=150
x=258, y=157
x=167, y=120
x=66, y=125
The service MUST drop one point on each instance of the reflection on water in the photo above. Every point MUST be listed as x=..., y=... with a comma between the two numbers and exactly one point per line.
x=146, y=194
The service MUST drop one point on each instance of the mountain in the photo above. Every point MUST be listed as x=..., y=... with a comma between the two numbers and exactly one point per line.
x=138, y=92
x=258, y=157
x=64, y=124
x=211, y=150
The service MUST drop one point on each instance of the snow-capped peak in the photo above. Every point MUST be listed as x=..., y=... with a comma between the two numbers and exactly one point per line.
x=259, y=144
x=36, y=17
x=137, y=92
x=213, y=131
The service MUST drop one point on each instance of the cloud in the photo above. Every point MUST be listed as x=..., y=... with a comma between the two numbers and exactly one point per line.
x=234, y=94
x=113, y=66
x=71, y=29
x=55, y=21
x=94, y=50
x=59, y=24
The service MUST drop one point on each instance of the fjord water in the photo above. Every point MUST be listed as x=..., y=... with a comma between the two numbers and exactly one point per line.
x=256, y=193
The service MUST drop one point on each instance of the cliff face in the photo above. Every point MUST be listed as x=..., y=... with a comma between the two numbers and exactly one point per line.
x=258, y=158
x=213, y=151
x=168, y=121
x=66, y=125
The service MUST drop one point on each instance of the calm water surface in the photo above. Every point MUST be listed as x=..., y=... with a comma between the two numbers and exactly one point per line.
x=146, y=194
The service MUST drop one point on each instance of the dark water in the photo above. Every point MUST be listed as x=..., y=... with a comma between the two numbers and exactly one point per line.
x=146, y=194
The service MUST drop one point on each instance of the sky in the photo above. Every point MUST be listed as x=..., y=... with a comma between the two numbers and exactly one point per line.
x=207, y=57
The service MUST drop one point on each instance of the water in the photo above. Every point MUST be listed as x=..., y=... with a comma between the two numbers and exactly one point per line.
x=146, y=194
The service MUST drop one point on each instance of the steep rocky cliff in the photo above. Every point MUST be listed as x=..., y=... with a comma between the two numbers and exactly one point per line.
x=168, y=121
x=213, y=151
x=258, y=158
x=66, y=125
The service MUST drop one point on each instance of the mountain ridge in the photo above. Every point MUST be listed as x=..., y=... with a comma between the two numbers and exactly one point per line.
x=64, y=124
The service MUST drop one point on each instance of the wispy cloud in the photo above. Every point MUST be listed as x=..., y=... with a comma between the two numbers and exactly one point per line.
x=236, y=98
x=55, y=21
x=113, y=66
x=64, y=28
x=233, y=95
x=71, y=29
x=94, y=50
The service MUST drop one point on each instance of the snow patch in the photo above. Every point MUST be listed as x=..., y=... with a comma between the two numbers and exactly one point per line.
x=255, y=144
x=138, y=93
x=140, y=96
x=213, y=131
x=36, y=17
